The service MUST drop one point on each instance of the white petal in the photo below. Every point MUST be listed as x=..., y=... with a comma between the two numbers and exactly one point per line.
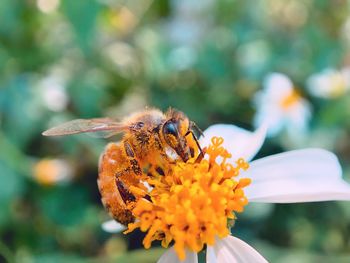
x=271, y=116
x=170, y=256
x=297, y=176
x=233, y=250
x=112, y=226
x=239, y=142
x=276, y=87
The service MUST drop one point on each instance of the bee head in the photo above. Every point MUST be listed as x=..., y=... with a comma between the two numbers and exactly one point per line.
x=174, y=131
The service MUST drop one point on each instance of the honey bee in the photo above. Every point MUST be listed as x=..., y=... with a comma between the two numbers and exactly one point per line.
x=152, y=140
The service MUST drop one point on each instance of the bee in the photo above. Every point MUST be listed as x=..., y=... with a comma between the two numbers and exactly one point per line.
x=151, y=141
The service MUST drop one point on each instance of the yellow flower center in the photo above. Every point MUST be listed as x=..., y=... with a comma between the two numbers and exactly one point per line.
x=338, y=87
x=291, y=99
x=193, y=203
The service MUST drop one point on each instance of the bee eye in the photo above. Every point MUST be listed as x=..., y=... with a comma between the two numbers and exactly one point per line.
x=170, y=128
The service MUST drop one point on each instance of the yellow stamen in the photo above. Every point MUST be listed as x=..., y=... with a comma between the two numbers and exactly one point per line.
x=193, y=203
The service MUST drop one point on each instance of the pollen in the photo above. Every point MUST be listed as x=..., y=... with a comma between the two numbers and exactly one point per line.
x=194, y=202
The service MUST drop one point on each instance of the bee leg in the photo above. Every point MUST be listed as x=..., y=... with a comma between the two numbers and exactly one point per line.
x=169, y=160
x=201, y=151
x=148, y=198
x=160, y=171
x=201, y=155
x=135, y=167
x=124, y=191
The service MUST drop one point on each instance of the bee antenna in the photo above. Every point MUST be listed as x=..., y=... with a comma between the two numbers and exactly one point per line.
x=195, y=128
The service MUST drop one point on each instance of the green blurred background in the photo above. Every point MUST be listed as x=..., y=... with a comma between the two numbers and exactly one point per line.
x=65, y=59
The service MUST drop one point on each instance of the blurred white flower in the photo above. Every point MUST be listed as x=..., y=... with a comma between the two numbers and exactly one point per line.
x=345, y=30
x=112, y=226
x=124, y=58
x=253, y=55
x=53, y=93
x=182, y=58
x=190, y=21
x=47, y=6
x=189, y=24
x=280, y=106
x=329, y=83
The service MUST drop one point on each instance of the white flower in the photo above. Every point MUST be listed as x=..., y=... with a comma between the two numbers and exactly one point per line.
x=53, y=92
x=280, y=106
x=329, y=83
x=48, y=6
x=307, y=175
x=113, y=227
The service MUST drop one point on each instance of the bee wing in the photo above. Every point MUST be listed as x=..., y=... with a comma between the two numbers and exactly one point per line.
x=104, y=127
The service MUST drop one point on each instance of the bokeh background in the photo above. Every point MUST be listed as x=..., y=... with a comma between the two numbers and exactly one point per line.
x=212, y=59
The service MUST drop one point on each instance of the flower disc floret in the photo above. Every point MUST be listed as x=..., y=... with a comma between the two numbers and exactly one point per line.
x=194, y=202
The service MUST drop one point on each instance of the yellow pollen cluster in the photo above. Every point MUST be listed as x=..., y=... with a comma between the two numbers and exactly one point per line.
x=193, y=203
